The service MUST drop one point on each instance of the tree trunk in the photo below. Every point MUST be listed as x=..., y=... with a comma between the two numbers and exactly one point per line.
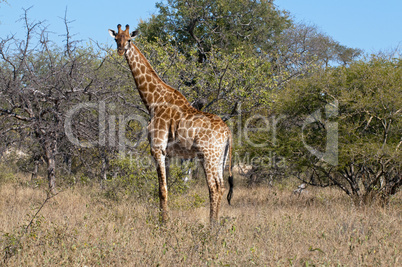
x=104, y=168
x=34, y=176
x=50, y=149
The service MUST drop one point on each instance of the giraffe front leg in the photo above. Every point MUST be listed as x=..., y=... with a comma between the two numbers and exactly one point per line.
x=160, y=158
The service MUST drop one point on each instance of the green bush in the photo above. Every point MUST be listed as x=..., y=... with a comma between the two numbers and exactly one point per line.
x=6, y=173
x=133, y=178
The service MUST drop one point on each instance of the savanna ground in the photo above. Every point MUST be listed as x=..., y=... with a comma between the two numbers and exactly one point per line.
x=265, y=226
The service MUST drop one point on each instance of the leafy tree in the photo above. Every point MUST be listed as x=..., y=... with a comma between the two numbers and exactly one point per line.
x=362, y=105
x=217, y=24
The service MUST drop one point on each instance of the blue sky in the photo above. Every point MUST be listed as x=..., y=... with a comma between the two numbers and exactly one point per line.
x=371, y=25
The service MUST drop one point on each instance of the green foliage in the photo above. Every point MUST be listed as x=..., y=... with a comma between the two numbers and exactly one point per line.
x=7, y=173
x=212, y=24
x=177, y=183
x=137, y=177
x=368, y=117
x=131, y=179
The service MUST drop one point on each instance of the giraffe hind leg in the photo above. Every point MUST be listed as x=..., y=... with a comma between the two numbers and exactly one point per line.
x=215, y=186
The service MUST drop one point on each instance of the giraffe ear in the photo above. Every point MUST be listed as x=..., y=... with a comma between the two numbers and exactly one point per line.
x=112, y=33
x=134, y=34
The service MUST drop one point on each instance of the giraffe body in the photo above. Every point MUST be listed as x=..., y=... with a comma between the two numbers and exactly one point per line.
x=176, y=128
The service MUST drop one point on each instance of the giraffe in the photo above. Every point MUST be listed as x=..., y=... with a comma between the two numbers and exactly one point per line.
x=177, y=129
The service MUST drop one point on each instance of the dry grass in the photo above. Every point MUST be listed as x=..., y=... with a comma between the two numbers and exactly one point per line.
x=264, y=227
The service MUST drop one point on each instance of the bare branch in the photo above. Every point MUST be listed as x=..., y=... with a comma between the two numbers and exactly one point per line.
x=12, y=114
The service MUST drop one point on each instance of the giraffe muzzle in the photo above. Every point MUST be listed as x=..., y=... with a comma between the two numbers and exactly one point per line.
x=121, y=52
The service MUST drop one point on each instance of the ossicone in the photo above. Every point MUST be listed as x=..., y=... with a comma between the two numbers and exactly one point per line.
x=125, y=32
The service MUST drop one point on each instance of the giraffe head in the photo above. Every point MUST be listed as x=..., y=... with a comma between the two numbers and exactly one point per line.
x=123, y=38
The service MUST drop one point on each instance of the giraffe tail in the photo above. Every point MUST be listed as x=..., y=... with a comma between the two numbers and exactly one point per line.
x=230, y=179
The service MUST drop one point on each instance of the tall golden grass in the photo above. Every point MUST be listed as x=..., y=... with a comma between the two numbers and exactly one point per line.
x=265, y=226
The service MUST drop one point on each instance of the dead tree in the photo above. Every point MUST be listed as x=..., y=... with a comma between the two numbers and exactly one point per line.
x=39, y=83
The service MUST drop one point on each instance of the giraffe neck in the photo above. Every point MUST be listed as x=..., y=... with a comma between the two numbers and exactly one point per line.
x=152, y=89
